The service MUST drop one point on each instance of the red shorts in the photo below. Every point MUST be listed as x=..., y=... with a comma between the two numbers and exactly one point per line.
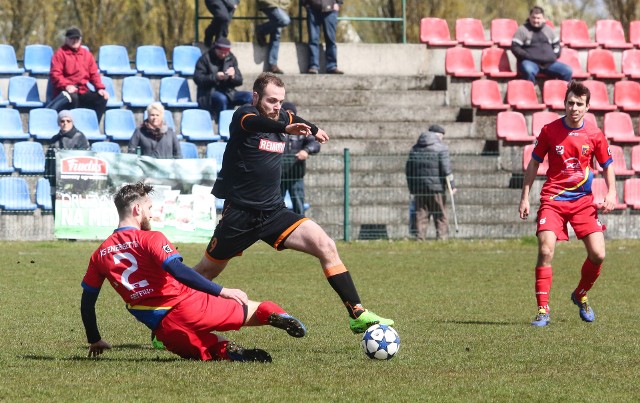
x=582, y=214
x=187, y=329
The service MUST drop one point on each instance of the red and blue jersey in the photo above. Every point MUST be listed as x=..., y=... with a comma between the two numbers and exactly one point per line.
x=570, y=154
x=133, y=262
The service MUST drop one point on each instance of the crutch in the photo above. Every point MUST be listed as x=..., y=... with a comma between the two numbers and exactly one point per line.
x=449, y=178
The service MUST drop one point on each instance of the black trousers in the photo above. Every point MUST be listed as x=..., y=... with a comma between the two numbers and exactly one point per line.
x=219, y=26
x=89, y=100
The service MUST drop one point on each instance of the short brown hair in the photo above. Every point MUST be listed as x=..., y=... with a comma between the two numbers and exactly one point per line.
x=265, y=79
x=126, y=195
x=536, y=10
x=578, y=89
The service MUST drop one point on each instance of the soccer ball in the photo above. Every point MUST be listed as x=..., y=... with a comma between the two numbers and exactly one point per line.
x=380, y=342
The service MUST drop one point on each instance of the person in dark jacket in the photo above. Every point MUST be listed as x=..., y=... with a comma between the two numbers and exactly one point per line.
x=296, y=151
x=154, y=138
x=427, y=170
x=537, y=48
x=222, y=11
x=217, y=76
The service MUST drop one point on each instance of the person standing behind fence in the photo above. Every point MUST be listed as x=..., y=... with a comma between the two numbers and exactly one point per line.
x=322, y=13
x=222, y=11
x=154, y=138
x=294, y=165
x=276, y=11
x=427, y=170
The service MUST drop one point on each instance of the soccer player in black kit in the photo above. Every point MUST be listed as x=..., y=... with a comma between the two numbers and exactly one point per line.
x=249, y=181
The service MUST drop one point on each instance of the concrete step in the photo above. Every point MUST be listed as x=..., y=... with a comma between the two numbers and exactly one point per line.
x=306, y=82
x=391, y=98
x=377, y=113
x=374, y=145
x=385, y=129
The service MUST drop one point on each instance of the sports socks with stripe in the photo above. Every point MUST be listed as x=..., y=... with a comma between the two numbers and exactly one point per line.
x=342, y=283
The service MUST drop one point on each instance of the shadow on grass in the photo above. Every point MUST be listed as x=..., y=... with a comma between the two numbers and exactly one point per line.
x=479, y=322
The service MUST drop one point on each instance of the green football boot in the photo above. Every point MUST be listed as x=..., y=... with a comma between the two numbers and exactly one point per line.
x=367, y=319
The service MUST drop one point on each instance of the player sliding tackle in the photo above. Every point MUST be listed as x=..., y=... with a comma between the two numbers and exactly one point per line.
x=249, y=181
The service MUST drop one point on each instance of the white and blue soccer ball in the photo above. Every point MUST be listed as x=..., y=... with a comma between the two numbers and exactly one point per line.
x=380, y=342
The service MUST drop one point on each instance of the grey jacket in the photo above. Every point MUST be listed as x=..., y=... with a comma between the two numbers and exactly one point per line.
x=167, y=147
x=540, y=45
x=428, y=165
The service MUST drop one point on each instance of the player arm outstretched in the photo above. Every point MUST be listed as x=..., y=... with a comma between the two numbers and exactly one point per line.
x=529, y=177
x=88, y=312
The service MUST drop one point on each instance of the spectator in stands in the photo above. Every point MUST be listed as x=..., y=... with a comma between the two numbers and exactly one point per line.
x=217, y=76
x=537, y=48
x=297, y=150
x=222, y=11
x=276, y=11
x=154, y=138
x=322, y=13
x=428, y=169
x=72, y=68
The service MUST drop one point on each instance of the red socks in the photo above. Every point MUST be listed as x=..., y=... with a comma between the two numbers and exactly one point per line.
x=544, y=277
x=265, y=309
x=589, y=275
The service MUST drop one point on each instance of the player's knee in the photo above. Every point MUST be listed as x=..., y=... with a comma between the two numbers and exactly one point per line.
x=597, y=257
x=545, y=254
x=327, y=246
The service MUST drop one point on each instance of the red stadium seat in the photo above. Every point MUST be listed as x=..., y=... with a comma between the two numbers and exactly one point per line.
x=632, y=193
x=459, y=63
x=575, y=34
x=631, y=63
x=485, y=95
x=635, y=158
x=610, y=35
x=502, y=31
x=553, y=92
x=599, y=96
x=541, y=118
x=470, y=32
x=634, y=33
x=526, y=157
x=495, y=63
x=599, y=190
x=512, y=127
x=600, y=64
x=590, y=117
x=618, y=127
x=435, y=32
x=570, y=57
x=619, y=161
x=626, y=95
x=521, y=94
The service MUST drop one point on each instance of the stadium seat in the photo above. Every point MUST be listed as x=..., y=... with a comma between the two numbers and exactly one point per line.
x=610, y=35
x=626, y=95
x=189, y=150
x=634, y=33
x=11, y=127
x=512, y=127
x=5, y=168
x=23, y=92
x=553, y=92
x=618, y=128
x=105, y=147
x=3, y=102
x=635, y=159
x=570, y=57
x=112, y=102
x=43, y=123
x=174, y=93
x=632, y=193
x=541, y=118
x=599, y=190
x=521, y=95
x=152, y=61
x=119, y=124
x=485, y=95
x=8, y=60
x=435, y=32
x=114, y=61
x=43, y=194
x=15, y=195
x=526, y=158
x=631, y=63
x=224, y=122
x=37, y=59
x=600, y=64
x=502, y=31
x=470, y=32
x=495, y=63
x=599, y=96
x=196, y=125
x=575, y=34
x=590, y=117
x=216, y=151
x=86, y=121
x=459, y=63
x=137, y=92
x=28, y=157
x=185, y=58
x=619, y=161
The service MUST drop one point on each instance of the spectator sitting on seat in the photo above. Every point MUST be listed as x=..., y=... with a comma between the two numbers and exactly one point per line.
x=222, y=11
x=217, y=76
x=154, y=138
x=72, y=68
x=537, y=48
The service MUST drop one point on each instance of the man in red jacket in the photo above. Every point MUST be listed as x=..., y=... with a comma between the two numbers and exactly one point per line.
x=72, y=68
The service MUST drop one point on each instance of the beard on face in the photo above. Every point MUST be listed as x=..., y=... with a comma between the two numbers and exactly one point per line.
x=263, y=111
x=145, y=224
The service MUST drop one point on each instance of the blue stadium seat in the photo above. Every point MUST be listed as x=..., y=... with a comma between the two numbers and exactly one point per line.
x=137, y=92
x=43, y=123
x=37, y=58
x=86, y=121
x=174, y=93
x=43, y=194
x=23, y=92
x=105, y=147
x=152, y=61
x=119, y=124
x=216, y=151
x=4, y=164
x=28, y=157
x=196, y=125
x=8, y=61
x=185, y=58
x=224, y=122
x=11, y=127
x=112, y=102
x=3, y=102
x=114, y=61
x=189, y=150
x=15, y=195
